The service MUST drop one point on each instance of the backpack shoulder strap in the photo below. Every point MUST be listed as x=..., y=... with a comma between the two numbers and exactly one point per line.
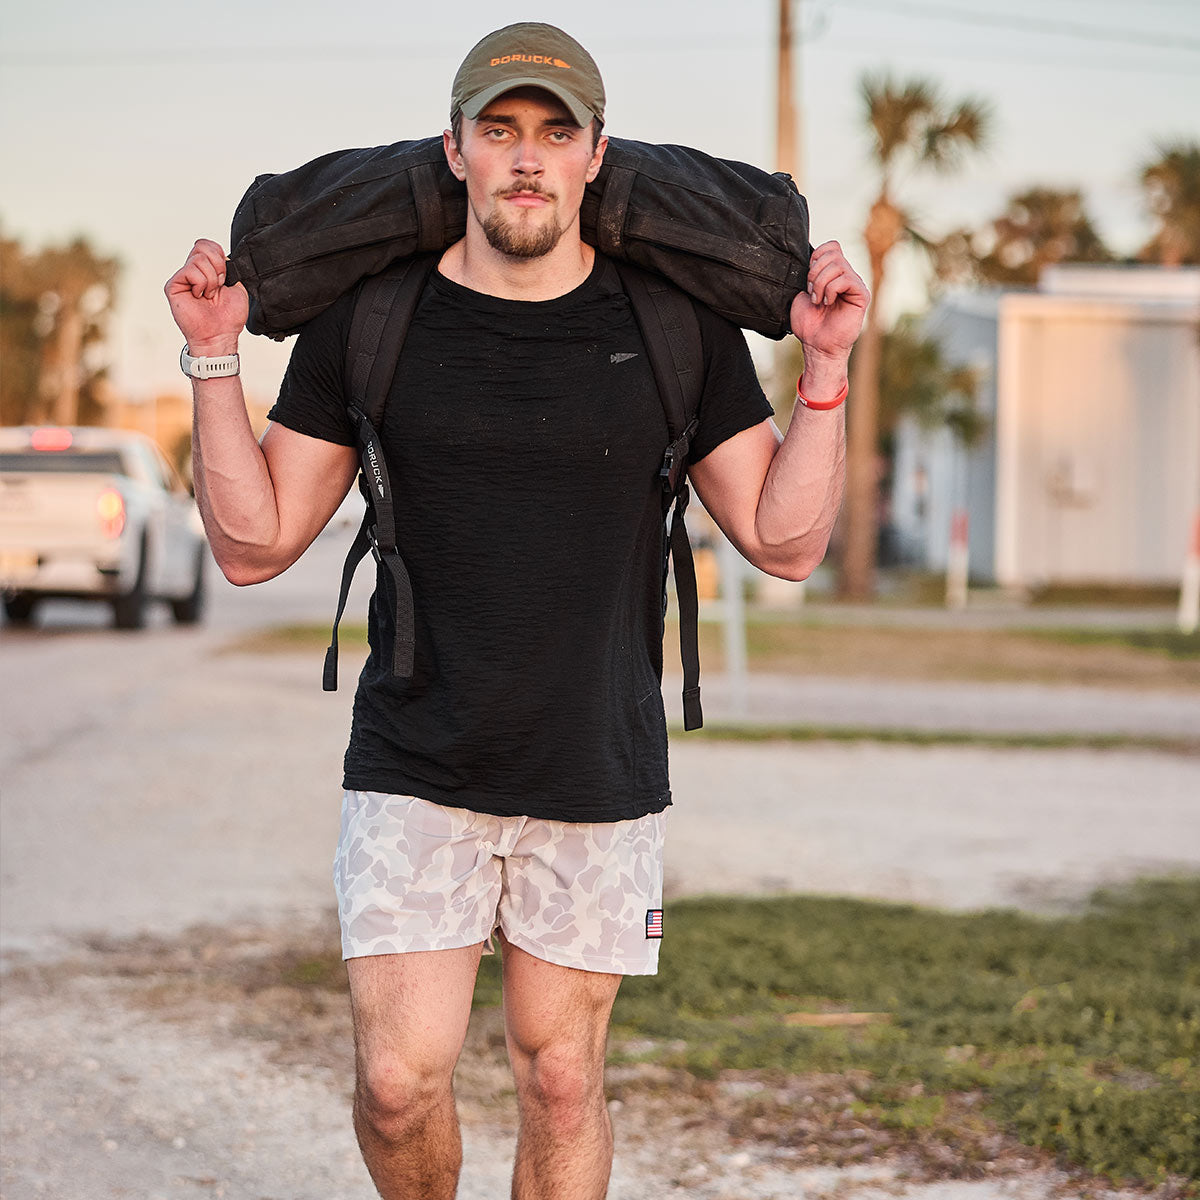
x=670, y=328
x=383, y=312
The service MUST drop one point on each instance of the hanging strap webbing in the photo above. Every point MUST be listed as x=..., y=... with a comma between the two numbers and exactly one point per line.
x=382, y=315
x=672, y=335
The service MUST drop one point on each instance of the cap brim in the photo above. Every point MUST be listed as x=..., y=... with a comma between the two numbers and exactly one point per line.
x=474, y=105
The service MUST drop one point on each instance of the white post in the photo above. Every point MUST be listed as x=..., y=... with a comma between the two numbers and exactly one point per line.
x=1189, y=589
x=958, y=553
x=957, y=563
x=735, y=623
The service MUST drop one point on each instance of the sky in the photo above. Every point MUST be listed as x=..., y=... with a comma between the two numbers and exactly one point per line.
x=140, y=123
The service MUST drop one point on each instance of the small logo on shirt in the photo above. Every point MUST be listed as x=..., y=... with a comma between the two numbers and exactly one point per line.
x=620, y=358
x=654, y=922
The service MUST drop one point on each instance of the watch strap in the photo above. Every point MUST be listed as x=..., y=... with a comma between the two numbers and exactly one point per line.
x=202, y=367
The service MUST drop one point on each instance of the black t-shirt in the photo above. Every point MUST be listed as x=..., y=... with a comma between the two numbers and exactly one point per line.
x=523, y=441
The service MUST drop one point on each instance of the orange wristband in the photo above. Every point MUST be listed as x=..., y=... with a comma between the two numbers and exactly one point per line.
x=825, y=405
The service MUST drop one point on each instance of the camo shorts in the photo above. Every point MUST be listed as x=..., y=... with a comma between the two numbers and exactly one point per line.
x=413, y=875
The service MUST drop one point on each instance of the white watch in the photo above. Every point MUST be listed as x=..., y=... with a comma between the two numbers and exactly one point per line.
x=209, y=368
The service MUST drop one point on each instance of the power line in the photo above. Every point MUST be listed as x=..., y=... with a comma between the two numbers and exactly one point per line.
x=922, y=50
x=1164, y=41
x=151, y=56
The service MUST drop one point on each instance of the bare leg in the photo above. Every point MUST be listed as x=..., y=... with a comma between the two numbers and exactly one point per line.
x=410, y=1020
x=556, y=1021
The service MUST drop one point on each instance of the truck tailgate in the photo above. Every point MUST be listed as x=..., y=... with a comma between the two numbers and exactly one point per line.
x=53, y=511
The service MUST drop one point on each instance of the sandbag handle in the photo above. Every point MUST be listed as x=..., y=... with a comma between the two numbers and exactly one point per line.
x=610, y=221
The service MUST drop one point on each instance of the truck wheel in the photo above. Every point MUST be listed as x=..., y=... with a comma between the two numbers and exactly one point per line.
x=188, y=610
x=129, y=610
x=19, y=607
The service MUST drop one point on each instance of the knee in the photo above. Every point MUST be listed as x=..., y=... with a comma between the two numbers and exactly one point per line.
x=394, y=1098
x=563, y=1081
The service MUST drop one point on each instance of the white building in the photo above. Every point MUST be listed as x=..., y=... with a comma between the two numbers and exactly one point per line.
x=1090, y=469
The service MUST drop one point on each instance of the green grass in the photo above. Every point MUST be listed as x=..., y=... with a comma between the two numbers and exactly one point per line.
x=1169, y=642
x=937, y=737
x=1081, y=1033
x=1101, y=595
x=352, y=637
x=1155, y=658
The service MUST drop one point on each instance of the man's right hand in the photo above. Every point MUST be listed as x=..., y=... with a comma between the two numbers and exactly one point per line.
x=209, y=314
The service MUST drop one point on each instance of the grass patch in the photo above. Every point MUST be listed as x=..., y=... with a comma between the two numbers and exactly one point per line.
x=1118, y=657
x=1098, y=657
x=938, y=737
x=1082, y=1034
x=299, y=638
x=1102, y=595
x=1169, y=642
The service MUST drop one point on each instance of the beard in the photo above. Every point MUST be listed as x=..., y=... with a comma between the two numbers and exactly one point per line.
x=517, y=238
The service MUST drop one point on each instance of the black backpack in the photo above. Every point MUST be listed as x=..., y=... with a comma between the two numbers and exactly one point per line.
x=383, y=312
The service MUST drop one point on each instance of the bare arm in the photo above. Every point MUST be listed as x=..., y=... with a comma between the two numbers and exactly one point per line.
x=262, y=504
x=777, y=499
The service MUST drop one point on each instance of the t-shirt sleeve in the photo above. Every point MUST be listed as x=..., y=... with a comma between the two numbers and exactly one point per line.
x=732, y=399
x=312, y=395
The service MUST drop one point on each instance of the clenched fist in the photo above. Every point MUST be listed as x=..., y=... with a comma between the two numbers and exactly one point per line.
x=210, y=315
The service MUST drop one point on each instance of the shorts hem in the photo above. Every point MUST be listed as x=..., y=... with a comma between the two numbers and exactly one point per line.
x=578, y=962
x=406, y=946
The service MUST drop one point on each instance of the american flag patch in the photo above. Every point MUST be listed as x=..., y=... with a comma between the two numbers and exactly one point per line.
x=654, y=922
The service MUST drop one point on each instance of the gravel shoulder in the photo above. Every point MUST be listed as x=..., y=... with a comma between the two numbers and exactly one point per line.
x=162, y=1070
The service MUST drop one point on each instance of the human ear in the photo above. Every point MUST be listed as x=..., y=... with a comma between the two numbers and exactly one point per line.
x=597, y=158
x=454, y=157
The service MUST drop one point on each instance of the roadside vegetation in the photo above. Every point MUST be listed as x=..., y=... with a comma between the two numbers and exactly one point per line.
x=824, y=1030
x=848, y=1031
x=1113, y=657
x=1079, y=1034
x=713, y=731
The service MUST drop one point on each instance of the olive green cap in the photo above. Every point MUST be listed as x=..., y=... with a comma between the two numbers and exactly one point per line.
x=529, y=54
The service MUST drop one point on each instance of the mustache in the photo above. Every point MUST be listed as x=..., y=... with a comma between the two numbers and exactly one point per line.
x=526, y=188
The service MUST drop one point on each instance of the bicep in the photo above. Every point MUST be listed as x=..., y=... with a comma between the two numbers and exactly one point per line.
x=729, y=480
x=310, y=478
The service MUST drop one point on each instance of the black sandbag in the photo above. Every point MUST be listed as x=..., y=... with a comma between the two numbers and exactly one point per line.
x=731, y=235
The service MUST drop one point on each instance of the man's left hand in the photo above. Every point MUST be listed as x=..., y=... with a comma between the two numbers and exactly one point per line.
x=829, y=316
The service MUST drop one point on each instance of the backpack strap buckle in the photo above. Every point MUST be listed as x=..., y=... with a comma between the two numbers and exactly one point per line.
x=675, y=457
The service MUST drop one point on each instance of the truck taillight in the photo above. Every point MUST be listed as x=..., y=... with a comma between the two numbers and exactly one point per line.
x=110, y=508
x=51, y=438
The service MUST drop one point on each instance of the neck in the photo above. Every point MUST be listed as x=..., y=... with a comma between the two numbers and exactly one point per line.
x=475, y=264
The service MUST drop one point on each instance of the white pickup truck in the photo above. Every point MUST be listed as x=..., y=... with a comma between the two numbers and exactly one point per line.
x=96, y=513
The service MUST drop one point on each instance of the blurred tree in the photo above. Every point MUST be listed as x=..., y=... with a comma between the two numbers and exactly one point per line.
x=916, y=379
x=912, y=128
x=1040, y=226
x=55, y=305
x=20, y=343
x=1172, y=186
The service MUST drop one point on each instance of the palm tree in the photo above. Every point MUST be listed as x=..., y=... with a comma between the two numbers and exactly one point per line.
x=1172, y=186
x=912, y=128
x=1040, y=226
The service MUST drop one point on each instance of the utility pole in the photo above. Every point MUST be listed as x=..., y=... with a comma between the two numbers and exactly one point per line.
x=789, y=153
x=789, y=157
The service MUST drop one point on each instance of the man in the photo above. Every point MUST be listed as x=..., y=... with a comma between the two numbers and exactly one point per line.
x=517, y=783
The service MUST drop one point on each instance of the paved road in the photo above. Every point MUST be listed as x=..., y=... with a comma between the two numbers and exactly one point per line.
x=963, y=707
